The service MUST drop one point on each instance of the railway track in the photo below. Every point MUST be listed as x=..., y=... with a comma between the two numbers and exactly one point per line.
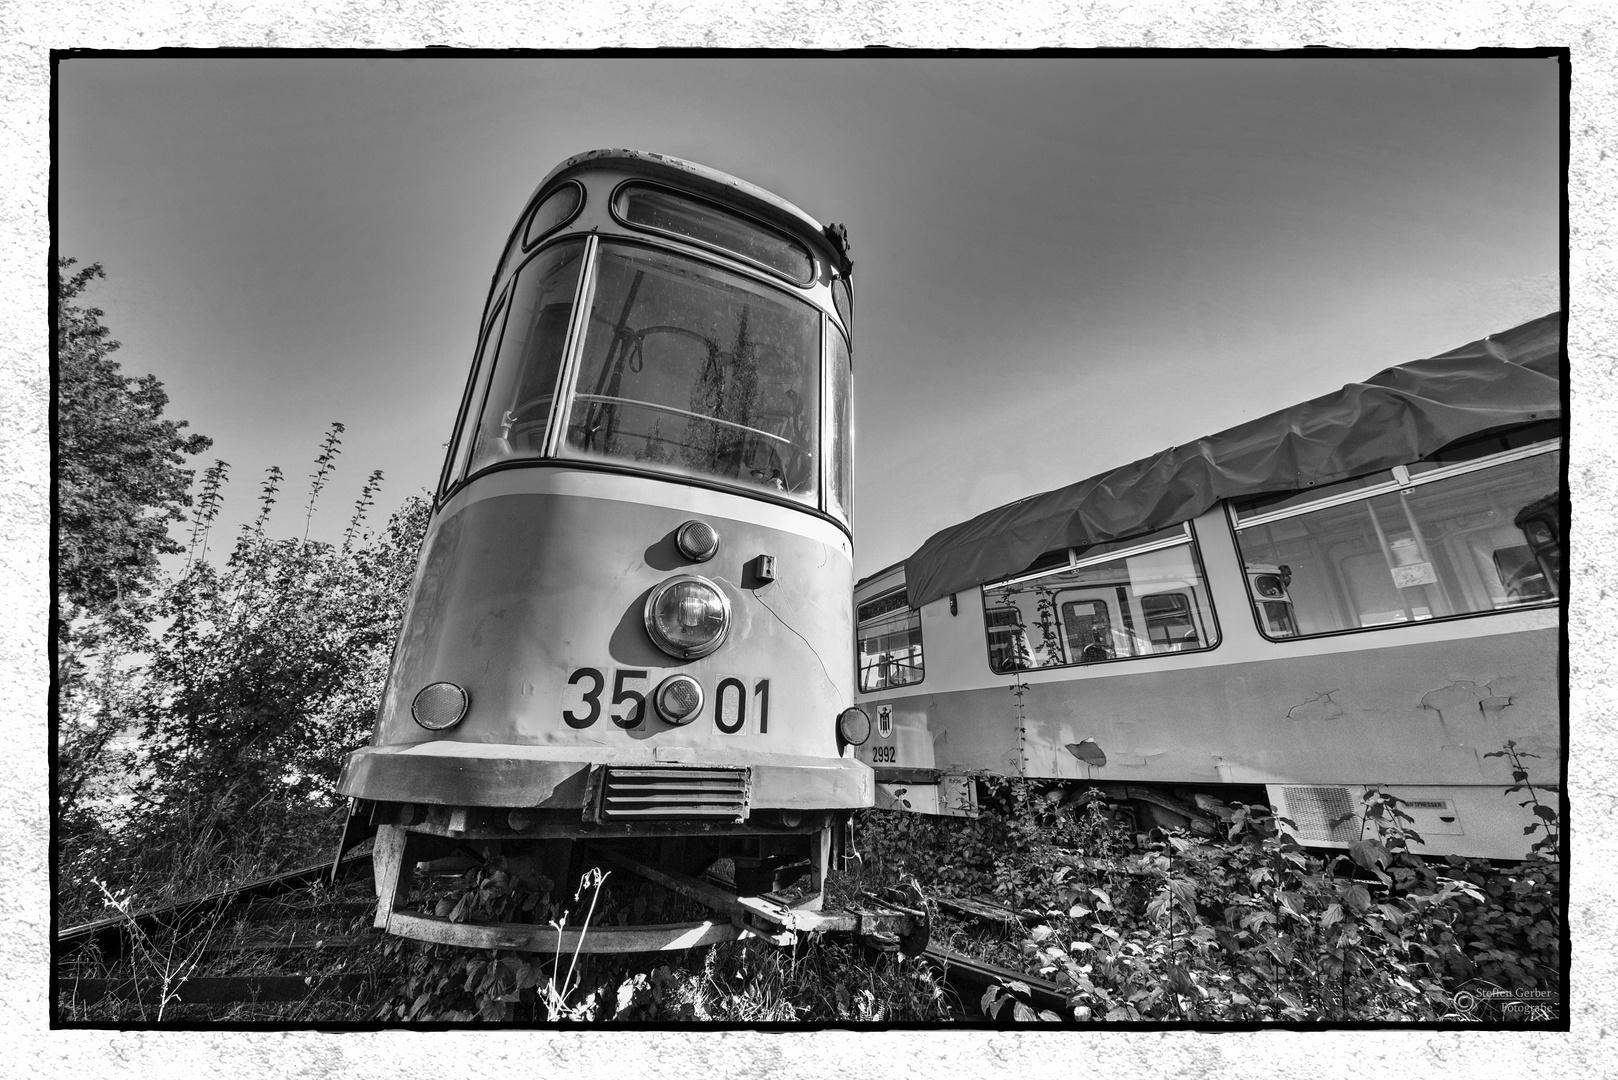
x=112, y=937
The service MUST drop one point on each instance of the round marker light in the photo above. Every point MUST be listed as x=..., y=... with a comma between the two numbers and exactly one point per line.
x=687, y=617
x=697, y=541
x=678, y=699
x=439, y=705
x=854, y=726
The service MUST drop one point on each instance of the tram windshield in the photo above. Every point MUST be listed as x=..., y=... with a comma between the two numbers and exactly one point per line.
x=692, y=369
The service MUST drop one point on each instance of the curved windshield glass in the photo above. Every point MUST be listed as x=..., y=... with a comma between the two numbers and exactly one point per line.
x=840, y=475
x=691, y=369
x=518, y=405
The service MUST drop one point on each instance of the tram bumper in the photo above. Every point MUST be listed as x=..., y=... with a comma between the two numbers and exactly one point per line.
x=557, y=777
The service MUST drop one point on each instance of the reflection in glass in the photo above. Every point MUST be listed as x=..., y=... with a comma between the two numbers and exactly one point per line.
x=1144, y=604
x=681, y=215
x=695, y=370
x=1474, y=542
x=518, y=405
x=840, y=496
x=889, y=643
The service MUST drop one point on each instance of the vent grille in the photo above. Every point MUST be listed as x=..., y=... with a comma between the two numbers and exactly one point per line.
x=633, y=794
x=1323, y=813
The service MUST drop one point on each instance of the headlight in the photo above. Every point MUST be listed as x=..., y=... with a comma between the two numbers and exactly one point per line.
x=697, y=541
x=687, y=617
x=854, y=726
x=439, y=705
x=678, y=699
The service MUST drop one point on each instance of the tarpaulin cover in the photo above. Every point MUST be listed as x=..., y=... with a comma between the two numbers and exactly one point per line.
x=1397, y=416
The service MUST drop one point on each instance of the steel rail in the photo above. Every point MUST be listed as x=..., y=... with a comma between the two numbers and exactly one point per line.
x=966, y=970
x=112, y=933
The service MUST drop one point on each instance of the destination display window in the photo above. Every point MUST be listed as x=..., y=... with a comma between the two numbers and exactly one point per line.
x=1145, y=596
x=1442, y=539
x=659, y=210
x=889, y=633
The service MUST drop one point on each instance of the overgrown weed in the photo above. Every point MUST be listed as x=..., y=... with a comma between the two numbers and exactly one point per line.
x=1242, y=927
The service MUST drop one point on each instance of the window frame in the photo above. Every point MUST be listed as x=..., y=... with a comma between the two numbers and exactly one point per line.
x=488, y=335
x=1401, y=481
x=583, y=298
x=1186, y=538
x=827, y=464
x=859, y=673
x=495, y=336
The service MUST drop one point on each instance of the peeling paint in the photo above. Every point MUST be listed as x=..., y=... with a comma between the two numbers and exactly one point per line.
x=1320, y=708
x=1463, y=697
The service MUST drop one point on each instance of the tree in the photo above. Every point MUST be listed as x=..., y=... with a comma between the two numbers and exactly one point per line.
x=119, y=463
x=268, y=672
x=120, y=484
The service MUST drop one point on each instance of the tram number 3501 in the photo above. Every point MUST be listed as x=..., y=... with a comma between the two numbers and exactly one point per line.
x=630, y=686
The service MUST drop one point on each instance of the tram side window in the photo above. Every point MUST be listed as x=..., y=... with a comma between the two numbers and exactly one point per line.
x=889, y=633
x=1141, y=597
x=517, y=407
x=691, y=369
x=1428, y=543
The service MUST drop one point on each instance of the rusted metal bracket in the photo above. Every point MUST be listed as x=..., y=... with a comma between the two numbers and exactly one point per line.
x=876, y=920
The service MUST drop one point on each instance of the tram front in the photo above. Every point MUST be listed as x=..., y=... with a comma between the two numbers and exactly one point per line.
x=631, y=616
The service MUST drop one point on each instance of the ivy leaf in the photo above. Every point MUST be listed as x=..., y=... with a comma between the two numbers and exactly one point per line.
x=1356, y=898
x=1369, y=854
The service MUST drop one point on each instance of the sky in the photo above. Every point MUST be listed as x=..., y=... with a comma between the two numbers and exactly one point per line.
x=1062, y=264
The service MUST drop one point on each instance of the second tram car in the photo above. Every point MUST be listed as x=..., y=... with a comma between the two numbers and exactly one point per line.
x=1361, y=589
x=634, y=591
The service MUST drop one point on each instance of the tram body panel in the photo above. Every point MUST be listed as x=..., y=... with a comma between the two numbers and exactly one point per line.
x=1405, y=714
x=1416, y=714
x=521, y=590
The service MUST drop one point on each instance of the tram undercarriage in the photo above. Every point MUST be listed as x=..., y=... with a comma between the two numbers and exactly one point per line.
x=763, y=878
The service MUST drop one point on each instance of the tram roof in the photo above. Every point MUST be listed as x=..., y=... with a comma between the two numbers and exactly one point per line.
x=694, y=177
x=1399, y=415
